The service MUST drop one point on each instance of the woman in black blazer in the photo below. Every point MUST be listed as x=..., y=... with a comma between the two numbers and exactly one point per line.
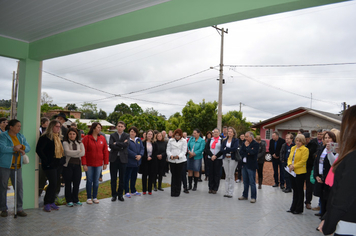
x=148, y=167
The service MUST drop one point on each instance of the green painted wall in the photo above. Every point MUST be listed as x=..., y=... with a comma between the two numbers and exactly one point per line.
x=28, y=114
x=13, y=48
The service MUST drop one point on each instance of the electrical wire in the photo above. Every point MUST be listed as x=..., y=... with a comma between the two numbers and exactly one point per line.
x=284, y=90
x=291, y=65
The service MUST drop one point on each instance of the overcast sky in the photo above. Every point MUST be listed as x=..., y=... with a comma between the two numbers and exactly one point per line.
x=322, y=35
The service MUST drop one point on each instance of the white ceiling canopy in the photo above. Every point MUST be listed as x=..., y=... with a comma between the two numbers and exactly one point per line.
x=36, y=19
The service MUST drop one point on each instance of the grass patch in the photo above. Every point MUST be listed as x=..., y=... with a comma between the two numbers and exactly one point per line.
x=104, y=191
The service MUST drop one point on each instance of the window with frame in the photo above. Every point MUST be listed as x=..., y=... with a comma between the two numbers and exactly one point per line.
x=268, y=134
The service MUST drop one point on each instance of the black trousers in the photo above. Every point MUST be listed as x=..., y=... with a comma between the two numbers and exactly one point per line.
x=260, y=172
x=239, y=172
x=72, y=175
x=298, y=192
x=176, y=170
x=214, y=173
x=41, y=179
x=151, y=180
x=52, y=177
x=115, y=166
x=184, y=175
x=309, y=187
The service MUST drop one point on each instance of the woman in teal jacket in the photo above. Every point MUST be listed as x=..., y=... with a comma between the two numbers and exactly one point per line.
x=13, y=145
x=196, y=145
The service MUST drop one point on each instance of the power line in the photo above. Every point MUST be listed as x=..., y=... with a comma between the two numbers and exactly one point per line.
x=84, y=85
x=160, y=85
x=177, y=86
x=284, y=90
x=291, y=65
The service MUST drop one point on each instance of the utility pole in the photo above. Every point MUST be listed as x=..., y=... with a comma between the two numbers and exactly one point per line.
x=15, y=84
x=220, y=75
x=240, y=106
x=344, y=105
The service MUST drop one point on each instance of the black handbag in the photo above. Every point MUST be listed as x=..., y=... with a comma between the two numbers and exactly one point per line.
x=237, y=155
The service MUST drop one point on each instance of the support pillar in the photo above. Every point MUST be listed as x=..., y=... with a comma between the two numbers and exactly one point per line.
x=28, y=112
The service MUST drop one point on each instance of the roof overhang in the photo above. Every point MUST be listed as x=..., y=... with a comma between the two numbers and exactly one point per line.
x=44, y=29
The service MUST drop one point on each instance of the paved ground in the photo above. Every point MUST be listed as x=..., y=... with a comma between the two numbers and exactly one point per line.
x=196, y=213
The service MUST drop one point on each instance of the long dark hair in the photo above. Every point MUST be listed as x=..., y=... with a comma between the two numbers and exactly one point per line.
x=12, y=123
x=66, y=138
x=93, y=126
x=347, y=135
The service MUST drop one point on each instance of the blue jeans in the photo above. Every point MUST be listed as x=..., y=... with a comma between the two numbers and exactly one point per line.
x=93, y=174
x=249, y=177
x=130, y=176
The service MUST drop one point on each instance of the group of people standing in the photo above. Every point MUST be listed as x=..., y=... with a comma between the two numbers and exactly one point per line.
x=327, y=169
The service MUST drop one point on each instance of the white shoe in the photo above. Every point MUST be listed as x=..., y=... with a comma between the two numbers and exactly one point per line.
x=89, y=201
x=238, y=181
x=96, y=201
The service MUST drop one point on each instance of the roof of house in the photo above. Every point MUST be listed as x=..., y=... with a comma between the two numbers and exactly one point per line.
x=336, y=118
x=89, y=122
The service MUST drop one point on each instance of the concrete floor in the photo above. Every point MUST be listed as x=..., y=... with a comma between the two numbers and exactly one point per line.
x=196, y=213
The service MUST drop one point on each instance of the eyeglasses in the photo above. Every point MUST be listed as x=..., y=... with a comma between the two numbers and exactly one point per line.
x=57, y=126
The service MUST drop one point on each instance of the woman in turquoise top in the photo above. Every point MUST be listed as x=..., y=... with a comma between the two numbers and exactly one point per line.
x=196, y=145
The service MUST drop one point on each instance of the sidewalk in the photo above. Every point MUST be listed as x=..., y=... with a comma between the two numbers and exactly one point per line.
x=196, y=213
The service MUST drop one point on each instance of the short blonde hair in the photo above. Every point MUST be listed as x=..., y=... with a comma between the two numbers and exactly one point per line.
x=301, y=138
x=258, y=137
x=337, y=134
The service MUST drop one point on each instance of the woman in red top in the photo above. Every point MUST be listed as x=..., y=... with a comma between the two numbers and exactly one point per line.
x=96, y=154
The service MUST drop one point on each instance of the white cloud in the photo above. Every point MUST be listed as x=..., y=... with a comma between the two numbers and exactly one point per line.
x=317, y=35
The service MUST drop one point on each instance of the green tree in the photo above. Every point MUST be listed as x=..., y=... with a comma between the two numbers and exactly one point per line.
x=89, y=111
x=202, y=116
x=152, y=111
x=5, y=103
x=235, y=119
x=46, y=107
x=82, y=126
x=174, y=121
x=102, y=115
x=45, y=98
x=122, y=109
x=135, y=109
x=113, y=117
x=72, y=107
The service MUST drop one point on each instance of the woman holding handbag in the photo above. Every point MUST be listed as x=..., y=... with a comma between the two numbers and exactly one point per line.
x=13, y=146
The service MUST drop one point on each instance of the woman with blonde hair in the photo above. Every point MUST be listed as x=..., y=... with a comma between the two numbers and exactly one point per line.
x=49, y=148
x=297, y=163
x=229, y=147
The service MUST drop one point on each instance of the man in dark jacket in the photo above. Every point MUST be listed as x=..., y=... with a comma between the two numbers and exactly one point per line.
x=284, y=155
x=275, y=146
x=118, y=143
x=249, y=152
x=313, y=147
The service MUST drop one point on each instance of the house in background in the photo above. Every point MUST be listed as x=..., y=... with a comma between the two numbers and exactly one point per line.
x=301, y=118
x=68, y=113
x=88, y=122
